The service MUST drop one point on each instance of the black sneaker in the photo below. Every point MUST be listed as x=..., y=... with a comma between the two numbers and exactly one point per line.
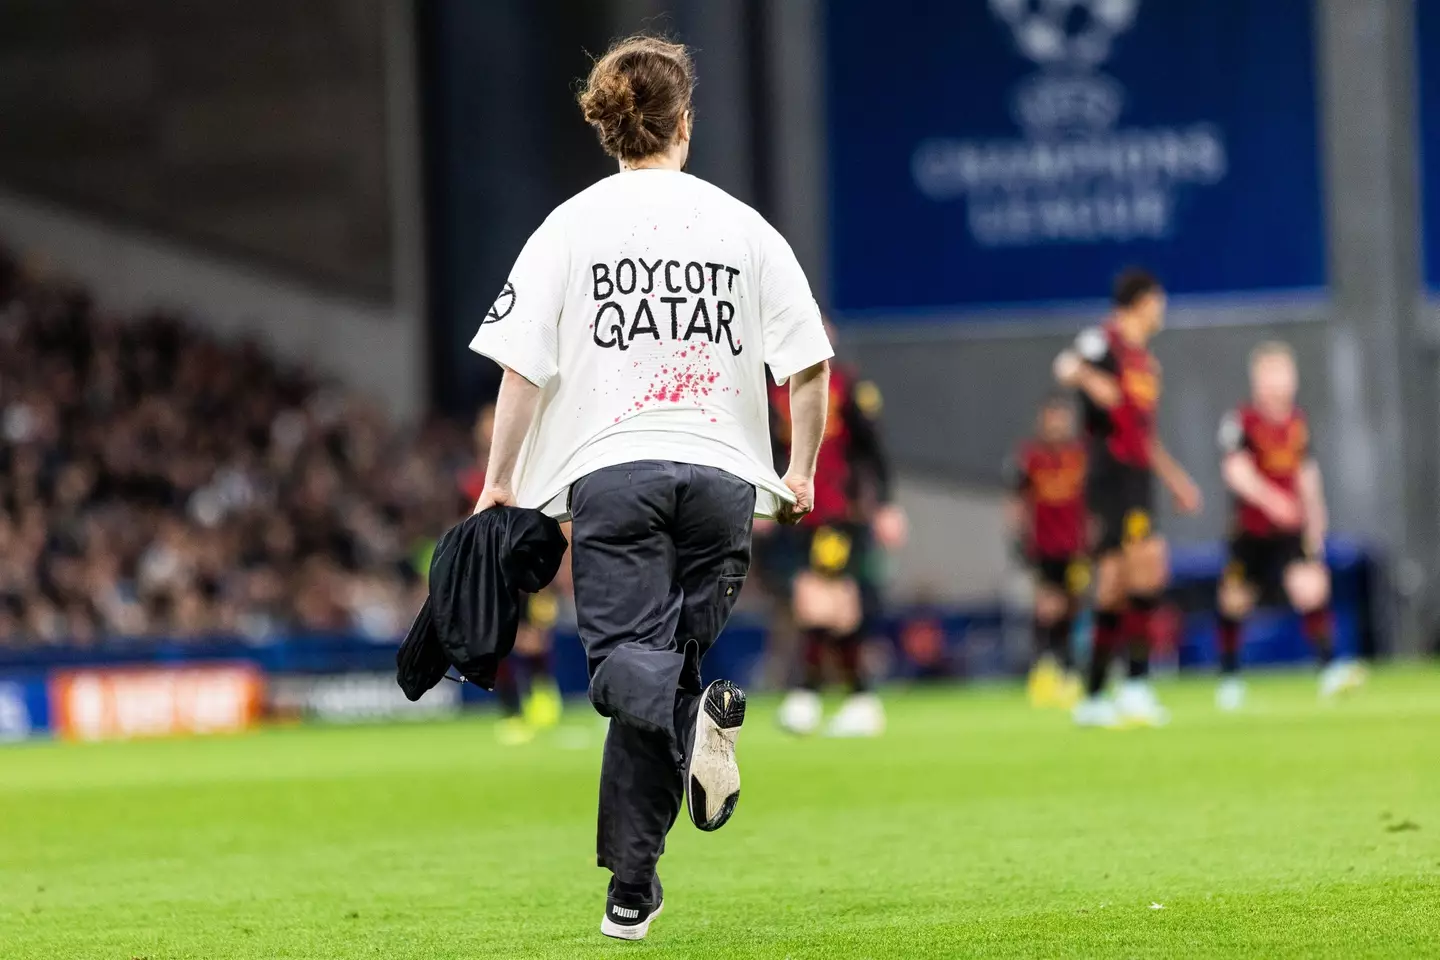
x=712, y=782
x=629, y=917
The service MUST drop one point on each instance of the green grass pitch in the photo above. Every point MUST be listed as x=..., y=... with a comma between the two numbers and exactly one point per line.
x=976, y=827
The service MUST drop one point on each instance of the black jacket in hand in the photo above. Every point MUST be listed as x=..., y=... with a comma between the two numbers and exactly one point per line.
x=479, y=569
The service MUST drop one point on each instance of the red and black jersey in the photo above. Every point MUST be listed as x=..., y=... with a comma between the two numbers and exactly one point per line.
x=1120, y=434
x=851, y=472
x=1279, y=449
x=1051, y=479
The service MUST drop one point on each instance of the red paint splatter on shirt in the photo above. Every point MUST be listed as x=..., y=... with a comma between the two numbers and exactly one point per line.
x=688, y=378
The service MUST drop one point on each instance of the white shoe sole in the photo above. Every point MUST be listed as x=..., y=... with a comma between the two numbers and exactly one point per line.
x=636, y=931
x=712, y=787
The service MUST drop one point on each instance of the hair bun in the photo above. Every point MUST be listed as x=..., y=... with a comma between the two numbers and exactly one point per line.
x=636, y=96
x=609, y=105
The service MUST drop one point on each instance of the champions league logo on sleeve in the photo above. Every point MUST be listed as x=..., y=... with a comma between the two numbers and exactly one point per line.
x=1075, y=174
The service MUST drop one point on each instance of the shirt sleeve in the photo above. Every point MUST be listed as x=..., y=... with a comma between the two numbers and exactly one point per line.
x=1232, y=434
x=521, y=329
x=1094, y=348
x=794, y=335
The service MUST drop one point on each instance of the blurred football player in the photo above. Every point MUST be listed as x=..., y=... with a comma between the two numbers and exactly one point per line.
x=833, y=566
x=1119, y=381
x=524, y=682
x=1046, y=515
x=1277, y=545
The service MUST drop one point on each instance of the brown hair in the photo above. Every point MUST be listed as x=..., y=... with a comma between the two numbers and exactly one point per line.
x=1131, y=285
x=637, y=94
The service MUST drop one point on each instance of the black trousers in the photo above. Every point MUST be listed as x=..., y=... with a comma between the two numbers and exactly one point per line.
x=659, y=553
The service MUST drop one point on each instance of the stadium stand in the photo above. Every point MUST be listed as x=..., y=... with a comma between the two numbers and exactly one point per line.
x=158, y=482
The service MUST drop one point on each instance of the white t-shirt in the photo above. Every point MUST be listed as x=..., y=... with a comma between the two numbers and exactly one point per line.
x=646, y=308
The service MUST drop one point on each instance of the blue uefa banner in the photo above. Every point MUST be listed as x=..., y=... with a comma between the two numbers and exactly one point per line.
x=24, y=708
x=989, y=152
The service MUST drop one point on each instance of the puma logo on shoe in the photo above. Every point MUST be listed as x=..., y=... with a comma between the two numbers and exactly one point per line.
x=631, y=922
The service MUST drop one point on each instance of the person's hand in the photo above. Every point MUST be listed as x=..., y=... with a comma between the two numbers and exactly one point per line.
x=1187, y=496
x=494, y=495
x=1067, y=366
x=890, y=526
x=763, y=527
x=804, y=489
x=1283, y=510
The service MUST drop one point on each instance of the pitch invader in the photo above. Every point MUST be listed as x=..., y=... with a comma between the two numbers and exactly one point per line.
x=831, y=569
x=1119, y=382
x=1277, y=546
x=1047, y=519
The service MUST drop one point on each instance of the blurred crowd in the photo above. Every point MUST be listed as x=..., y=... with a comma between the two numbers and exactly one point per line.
x=157, y=482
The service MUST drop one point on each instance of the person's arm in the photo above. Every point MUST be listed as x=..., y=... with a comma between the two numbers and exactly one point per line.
x=514, y=411
x=809, y=398
x=1244, y=479
x=1312, y=504
x=796, y=349
x=520, y=333
x=1176, y=480
x=1082, y=367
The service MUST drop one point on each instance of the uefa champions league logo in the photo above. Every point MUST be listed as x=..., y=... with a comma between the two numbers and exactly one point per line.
x=1074, y=33
x=1068, y=40
x=1076, y=174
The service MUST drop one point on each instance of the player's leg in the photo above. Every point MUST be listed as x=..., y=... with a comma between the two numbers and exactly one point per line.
x=1307, y=587
x=533, y=643
x=862, y=714
x=1108, y=500
x=1095, y=709
x=1077, y=586
x=811, y=610
x=829, y=610
x=829, y=613
x=1051, y=617
x=1234, y=600
x=1146, y=572
x=627, y=609
x=512, y=729
x=712, y=540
